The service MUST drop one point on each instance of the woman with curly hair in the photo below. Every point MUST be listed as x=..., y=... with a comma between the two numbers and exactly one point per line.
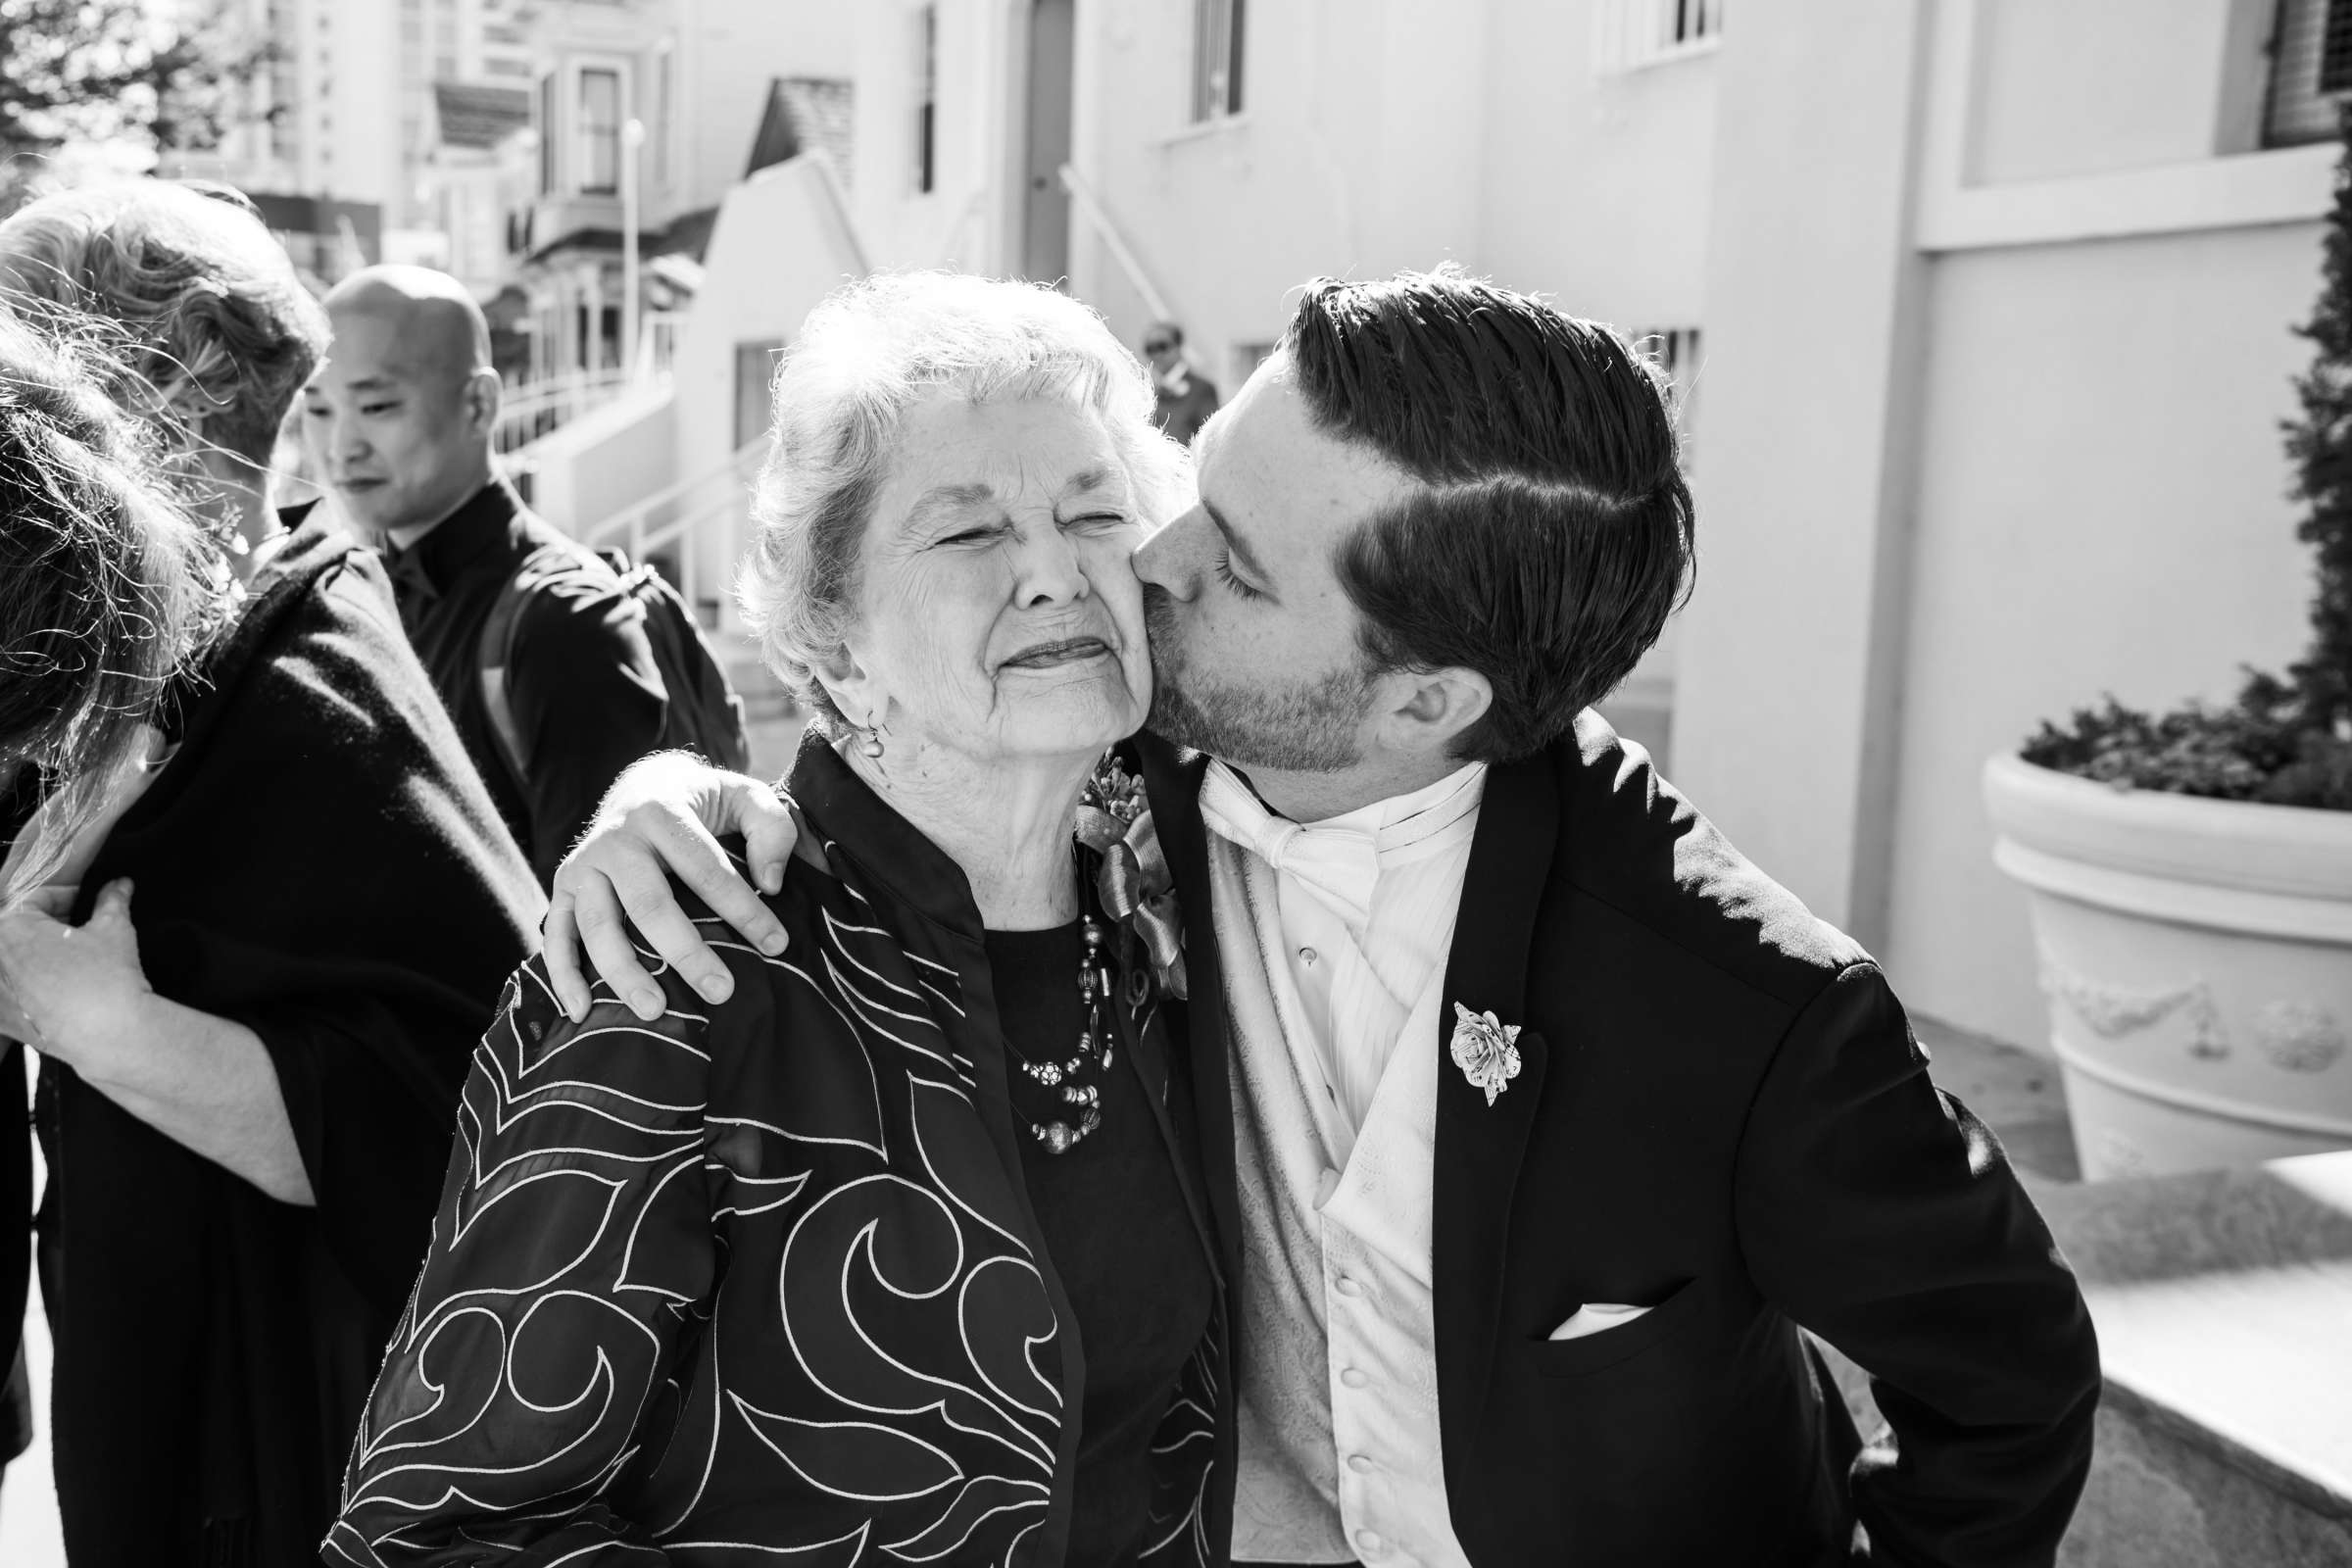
x=247, y=1078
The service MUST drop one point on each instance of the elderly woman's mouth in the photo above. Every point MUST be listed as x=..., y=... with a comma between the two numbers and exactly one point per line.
x=1070, y=650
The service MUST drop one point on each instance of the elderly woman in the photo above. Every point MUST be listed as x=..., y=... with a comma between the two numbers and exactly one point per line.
x=247, y=1074
x=896, y=1253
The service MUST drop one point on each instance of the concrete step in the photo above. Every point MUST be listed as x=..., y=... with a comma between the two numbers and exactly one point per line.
x=2224, y=1303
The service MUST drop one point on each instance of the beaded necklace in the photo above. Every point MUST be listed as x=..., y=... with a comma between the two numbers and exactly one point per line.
x=1082, y=1102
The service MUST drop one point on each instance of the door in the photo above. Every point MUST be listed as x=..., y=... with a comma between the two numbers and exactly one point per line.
x=1046, y=224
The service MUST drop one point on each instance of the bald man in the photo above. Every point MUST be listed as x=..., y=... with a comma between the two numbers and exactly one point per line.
x=399, y=420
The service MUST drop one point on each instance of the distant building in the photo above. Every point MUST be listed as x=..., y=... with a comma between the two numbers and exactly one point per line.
x=718, y=89
x=476, y=170
x=327, y=239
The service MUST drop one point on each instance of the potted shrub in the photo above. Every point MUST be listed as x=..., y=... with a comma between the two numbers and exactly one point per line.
x=2190, y=873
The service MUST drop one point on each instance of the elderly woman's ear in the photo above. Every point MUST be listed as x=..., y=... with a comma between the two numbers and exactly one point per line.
x=856, y=695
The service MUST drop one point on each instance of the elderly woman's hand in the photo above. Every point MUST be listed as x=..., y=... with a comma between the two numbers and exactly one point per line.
x=660, y=818
x=66, y=990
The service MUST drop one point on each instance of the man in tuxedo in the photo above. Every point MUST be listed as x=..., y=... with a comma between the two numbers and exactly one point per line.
x=1552, y=1118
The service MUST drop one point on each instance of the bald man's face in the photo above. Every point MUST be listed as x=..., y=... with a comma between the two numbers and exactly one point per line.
x=397, y=419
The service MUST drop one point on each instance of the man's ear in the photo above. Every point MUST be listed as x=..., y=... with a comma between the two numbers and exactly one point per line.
x=1422, y=712
x=482, y=395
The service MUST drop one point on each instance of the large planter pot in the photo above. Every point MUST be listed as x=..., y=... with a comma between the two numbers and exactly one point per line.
x=2197, y=959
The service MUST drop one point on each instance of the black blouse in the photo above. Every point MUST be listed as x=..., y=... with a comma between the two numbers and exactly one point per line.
x=765, y=1278
x=1106, y=1207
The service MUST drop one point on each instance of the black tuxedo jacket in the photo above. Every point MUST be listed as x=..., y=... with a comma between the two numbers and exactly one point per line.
x=1720, y=1111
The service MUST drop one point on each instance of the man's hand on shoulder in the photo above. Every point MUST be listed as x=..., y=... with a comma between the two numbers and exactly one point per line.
x=660, y=820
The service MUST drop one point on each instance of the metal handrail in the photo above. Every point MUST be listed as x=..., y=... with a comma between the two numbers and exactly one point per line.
x=1113, y=241
x=631, y=529
x=630, y=520
x=541, y=407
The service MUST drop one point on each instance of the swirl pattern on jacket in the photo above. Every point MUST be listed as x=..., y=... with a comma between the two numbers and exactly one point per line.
x=749, y=1283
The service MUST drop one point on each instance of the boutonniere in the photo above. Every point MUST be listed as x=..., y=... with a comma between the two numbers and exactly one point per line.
x=1133, y=880
x=1482, y=1048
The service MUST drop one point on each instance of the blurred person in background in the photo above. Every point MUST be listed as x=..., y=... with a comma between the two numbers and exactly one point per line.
x=1183, y=398
x=400, y=419
x=249, y=1065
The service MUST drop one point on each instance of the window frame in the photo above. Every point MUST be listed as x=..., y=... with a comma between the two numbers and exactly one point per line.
x=1220, y=29
x=923, y=166
x=581, y=131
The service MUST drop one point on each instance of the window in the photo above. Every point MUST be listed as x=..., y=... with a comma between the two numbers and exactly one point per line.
x=1628, y=34
x=547, y=135
x=600, y=131
x=1218, y=28
x=2310, y=70
x=926, y=100
x=664, y=111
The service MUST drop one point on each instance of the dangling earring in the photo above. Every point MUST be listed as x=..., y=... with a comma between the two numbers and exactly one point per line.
x=871, y=746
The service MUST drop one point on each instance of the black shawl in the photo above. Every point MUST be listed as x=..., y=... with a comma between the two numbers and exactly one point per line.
x=320, y=862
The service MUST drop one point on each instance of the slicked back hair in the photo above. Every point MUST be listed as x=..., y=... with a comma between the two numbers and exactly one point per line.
x=1549, y=533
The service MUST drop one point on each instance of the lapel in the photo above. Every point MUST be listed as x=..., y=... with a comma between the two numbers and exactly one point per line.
x=1172, y=783
x=1477, y=1145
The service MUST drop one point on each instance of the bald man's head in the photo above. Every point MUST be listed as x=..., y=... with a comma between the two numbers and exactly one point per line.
x=399, y=417
x=433, y=316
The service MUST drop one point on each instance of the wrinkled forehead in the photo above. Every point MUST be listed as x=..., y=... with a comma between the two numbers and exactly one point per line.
x=951, y=452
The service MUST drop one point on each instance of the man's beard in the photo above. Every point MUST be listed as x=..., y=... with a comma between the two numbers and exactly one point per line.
x=1298, y=726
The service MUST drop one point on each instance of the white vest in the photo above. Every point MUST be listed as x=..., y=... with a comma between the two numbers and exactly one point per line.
x=1336, y=1395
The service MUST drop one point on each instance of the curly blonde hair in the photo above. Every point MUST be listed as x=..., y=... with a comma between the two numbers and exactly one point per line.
x=108, y=590
x=203, y=308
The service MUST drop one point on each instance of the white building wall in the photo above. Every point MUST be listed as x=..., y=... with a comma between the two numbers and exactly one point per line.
x=1982, y=443
x=2101, y=507
x=1355, y=154
x=729, y=52
x=962, y=219
x=1595, y=187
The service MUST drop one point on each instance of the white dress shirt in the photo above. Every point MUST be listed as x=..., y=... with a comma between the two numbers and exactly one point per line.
x=1334, y=939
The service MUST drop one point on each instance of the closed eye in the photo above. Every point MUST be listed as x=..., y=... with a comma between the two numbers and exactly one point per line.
x=972, y=536
x=1225, y=573
x=1098, y=519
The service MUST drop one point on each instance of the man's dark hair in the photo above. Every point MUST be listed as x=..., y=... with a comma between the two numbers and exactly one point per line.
x=1551, y=532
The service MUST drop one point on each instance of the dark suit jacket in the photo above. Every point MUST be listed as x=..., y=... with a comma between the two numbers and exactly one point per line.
x=1721, y=1111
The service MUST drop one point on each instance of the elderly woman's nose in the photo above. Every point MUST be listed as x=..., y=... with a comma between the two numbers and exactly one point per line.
x=1047, y=568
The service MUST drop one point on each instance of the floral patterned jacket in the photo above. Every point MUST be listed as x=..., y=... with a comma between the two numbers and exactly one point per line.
x=760, y=1282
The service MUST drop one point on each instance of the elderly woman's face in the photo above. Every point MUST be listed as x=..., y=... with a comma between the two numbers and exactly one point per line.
x=999, y=616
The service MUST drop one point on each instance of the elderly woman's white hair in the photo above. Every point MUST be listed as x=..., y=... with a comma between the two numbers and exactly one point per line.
x=863, y=356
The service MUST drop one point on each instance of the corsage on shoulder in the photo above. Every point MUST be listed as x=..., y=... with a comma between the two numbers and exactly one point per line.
x=1133, y=882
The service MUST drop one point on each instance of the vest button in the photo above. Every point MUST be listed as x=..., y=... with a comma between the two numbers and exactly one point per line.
x=1362, y=1464
x=1355, y=1378
x=1347, y=1286
x=1367, y=1542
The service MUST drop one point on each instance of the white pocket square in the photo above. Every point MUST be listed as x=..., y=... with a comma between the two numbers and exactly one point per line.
x=1594, y=1318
